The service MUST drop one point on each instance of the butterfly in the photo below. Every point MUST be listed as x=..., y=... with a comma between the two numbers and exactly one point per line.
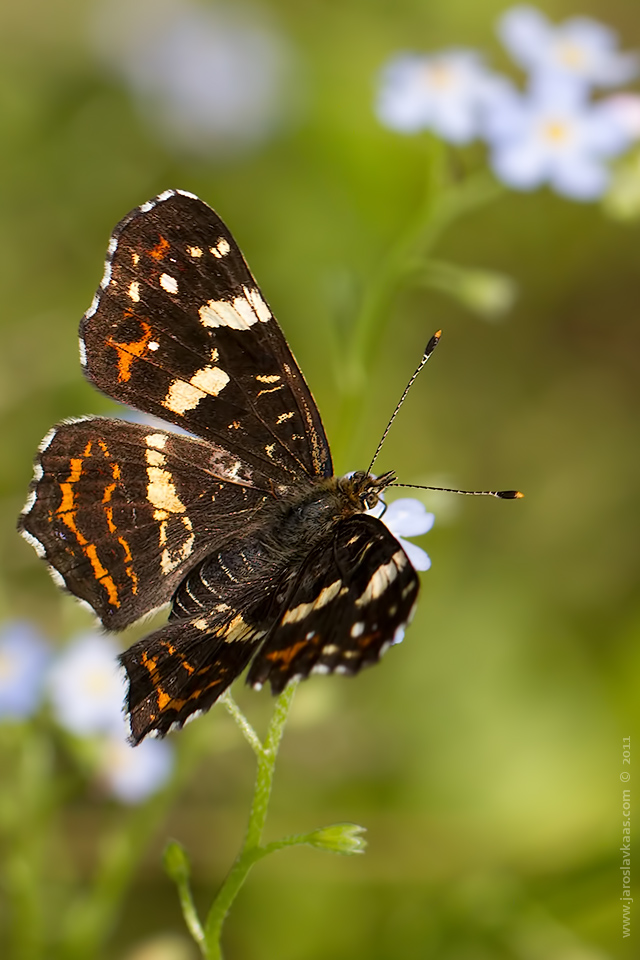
x=267, y=559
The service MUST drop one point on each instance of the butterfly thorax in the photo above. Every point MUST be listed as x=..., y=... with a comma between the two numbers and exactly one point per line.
x=279, y=542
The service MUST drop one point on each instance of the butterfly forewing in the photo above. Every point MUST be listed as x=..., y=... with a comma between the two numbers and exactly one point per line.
x=180, y=330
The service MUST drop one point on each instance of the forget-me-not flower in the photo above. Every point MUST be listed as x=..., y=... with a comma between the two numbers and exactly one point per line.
x=23, y=661
x=130, y=774
x=86, y=686
x=443, y=92
x=625, y=108
x=407, y=517
x=555, y=136
x=580, y=49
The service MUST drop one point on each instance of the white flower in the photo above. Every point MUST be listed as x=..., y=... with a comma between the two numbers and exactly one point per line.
x=87, y=688
x=132, y=774
x=554, y=135
x=443, y=92
x=625, y=108
x=23, y=660
x=580, y=49
x=212, y=79
x=407, y=517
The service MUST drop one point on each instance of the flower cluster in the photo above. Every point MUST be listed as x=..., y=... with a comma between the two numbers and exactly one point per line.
x=551, y=132
x=85, y=691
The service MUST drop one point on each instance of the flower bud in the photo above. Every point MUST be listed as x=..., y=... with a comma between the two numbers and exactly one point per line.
x=339, y=838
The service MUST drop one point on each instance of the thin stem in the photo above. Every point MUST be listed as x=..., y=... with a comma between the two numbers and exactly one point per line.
x=442, y=205
x=251, y=850
x=245, y=727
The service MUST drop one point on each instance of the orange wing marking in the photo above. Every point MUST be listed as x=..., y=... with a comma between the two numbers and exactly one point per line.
x=128, y=352
x=108, y=512
x=287, y=655
x=67, y=509
x=160, y=250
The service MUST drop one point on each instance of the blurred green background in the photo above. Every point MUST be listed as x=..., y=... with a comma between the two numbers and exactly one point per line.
x=483, y=755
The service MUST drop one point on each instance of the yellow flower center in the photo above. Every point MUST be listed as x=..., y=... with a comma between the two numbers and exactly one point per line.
x=556, y=132
x=439, y=76
x=98, y=682
x=571, y=55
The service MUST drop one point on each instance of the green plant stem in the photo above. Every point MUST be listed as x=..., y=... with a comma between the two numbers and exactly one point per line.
x=442, y=205
x=251, y=851
x=245, y=727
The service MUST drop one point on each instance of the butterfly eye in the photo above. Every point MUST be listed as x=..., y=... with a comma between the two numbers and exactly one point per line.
x=370, y=500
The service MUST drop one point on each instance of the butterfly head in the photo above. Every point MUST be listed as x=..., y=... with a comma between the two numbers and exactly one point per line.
x=365, y=489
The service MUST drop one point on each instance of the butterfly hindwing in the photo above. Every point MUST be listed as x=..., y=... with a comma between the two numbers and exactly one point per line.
x=121, y=511
x=183, y=668
x=180, y=330
x=351, y=599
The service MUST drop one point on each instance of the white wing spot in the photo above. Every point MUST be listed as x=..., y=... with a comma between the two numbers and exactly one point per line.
x=235, y=630
x=304, y=609
x=153, y=345
x=272, y=378
x=157, y=440
x=284, y=416
x=224, y=313
x=357, y=629
x=221, y=248
x=171, y=558
x=182, y=396
x=83, y=352
x=135, y=259
x=168, y=283
x=259, y=306
x=382, y=578
x=194, y=252
x=134, y=291
x=155, y=459
x=161, y=491
x=210, y=379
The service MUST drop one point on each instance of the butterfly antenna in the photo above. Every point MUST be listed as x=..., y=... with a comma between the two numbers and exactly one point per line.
x=430, y=347
x=502, y=494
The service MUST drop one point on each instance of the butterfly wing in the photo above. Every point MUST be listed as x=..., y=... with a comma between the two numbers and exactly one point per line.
x=120, y=511
x=180, y=330
x=351, y=599
x=182, y=669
